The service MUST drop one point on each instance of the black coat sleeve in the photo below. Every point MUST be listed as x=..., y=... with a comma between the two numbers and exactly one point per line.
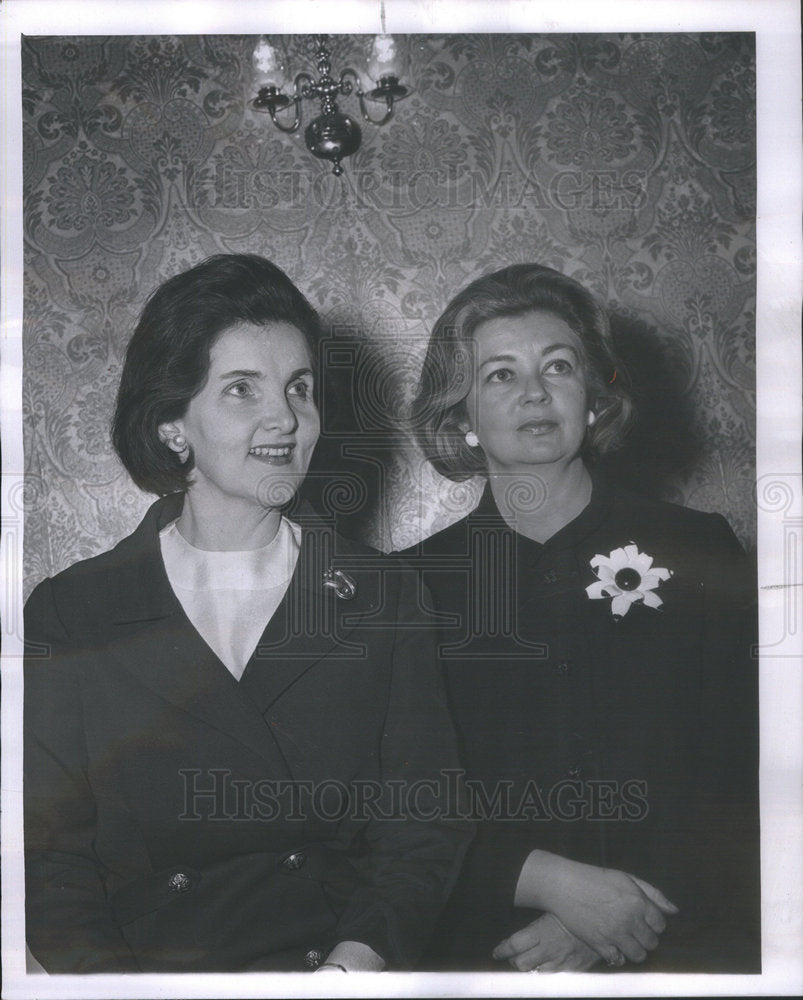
x=720, y=929
x=417, y=843
x=69, y=926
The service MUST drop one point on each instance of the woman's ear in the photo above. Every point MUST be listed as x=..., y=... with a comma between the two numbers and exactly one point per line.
x=168, y=431
x=172, y=435
x=467, y=433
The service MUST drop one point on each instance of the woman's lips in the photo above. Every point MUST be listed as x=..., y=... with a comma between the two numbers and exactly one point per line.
x=273, y=454
x=537, y=427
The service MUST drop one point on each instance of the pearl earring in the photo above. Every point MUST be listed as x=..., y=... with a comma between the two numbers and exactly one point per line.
x=471, y=439
x=592, y=418
x=179, y=443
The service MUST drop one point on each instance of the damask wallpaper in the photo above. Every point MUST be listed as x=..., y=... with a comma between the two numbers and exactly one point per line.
x=627, y=161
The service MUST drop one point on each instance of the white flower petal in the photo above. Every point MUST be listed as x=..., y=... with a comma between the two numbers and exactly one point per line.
x=641, y=561
x=652, y=600
x=599, y=562
x=619, y=559
x=620, y=605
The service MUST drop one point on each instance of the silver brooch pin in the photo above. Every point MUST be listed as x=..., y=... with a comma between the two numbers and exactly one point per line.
x=342, y=584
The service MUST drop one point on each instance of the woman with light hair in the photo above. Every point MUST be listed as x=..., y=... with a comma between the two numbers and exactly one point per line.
x=596, y=647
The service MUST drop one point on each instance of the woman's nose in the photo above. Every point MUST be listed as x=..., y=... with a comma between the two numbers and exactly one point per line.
x=535, y=390
x=279, y=415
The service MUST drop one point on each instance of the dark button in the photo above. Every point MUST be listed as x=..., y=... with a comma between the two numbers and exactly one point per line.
x=313, y=958
x=294, y=861
x=575, y=771
x=551, y=576
x=563, y=667
x=178, y=882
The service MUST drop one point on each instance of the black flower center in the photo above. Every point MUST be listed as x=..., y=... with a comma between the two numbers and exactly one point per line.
x=627, y=579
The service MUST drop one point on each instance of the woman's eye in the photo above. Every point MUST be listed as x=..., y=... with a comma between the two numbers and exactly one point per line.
x=500, y=375
x=242, y=390
x=560, y=366
x=300, y=389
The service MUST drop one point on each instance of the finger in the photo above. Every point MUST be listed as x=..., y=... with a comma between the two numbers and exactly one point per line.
x=655, y=919
x=529, y=960
x=645, y=937
x=516, y=944
x=611, y=955
x=655, y=896
x=547, y=967
x=632, y=950
x=576, y=961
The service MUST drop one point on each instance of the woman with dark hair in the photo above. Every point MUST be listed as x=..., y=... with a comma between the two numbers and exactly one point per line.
x=597, y=656
x=221, y=715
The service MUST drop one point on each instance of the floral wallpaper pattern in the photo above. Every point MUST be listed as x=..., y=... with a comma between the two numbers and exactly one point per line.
x=627, y=161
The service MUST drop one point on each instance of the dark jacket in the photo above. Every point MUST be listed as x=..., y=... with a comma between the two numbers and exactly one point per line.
x=629, y=744
x=177, y=820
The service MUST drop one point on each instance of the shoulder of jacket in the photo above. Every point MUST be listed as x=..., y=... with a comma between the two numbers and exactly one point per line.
x=667, y=515
x=448, y=540
x=695, y=543
x=80, y=595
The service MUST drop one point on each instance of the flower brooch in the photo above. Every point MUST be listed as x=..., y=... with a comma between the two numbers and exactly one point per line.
x=627, y=576
x=342, y=584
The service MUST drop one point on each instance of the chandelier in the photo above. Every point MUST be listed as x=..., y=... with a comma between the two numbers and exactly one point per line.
x=331, y=135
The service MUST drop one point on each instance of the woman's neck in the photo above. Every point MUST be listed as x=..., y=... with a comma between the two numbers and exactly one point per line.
x=537, y=503
x=226, y=530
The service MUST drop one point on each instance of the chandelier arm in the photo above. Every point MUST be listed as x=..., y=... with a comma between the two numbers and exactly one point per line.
x=345, y=84
x=304, y=86
x=373, y=121
x=296, y=102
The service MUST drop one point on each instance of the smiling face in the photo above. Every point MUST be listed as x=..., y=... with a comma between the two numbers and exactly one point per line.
x=528, y=403
x=253, y=426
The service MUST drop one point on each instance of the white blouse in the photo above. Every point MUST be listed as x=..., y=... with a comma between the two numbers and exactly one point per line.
x=231, y=596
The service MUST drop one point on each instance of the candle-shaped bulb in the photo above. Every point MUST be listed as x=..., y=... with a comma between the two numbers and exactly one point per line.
x=384, y=59
x=269, y=68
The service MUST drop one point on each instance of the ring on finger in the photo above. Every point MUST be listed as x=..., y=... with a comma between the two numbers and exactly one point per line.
x=616, y=959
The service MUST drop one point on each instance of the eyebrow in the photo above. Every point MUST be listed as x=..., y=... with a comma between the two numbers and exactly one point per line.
x=547, y=350
x=240, y=373
x=249, y=373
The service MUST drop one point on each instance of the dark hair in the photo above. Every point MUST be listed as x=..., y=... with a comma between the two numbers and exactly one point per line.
x=438, y=410
x=167, y=361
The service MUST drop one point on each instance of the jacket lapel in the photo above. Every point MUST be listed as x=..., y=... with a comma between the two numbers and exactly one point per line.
x=160, y=646
x=312, y=622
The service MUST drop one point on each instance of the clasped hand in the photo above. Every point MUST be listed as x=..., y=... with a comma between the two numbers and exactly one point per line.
x=601, y=912
x=546, y=946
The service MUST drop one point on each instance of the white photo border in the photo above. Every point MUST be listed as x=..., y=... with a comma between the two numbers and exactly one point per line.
x=779, y=505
